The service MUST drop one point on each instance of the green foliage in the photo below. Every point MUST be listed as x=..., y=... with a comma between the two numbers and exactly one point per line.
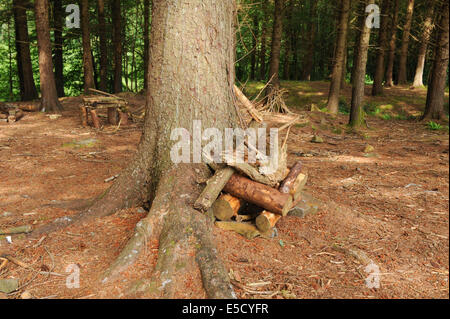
x=434, y=126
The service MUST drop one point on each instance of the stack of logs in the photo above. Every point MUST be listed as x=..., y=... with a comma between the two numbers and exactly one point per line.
x=248, y=207
x=10, y=113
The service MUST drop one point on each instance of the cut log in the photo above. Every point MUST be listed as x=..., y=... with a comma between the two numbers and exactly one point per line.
x=266, y=221
x=247, y=230
x=226, y=207
x=259, y=194
x=123, y=118
x=16, y=230
x=213, y=188
x=295, y=181
x=83, y=116
x=113, y=116
x=95, y=119
x=252, y=172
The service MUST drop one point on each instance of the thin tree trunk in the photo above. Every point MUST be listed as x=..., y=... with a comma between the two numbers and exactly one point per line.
x=402, y=70
x=277, y=33
x=263, y=51
x=25, y=70
x=117, y=41
x=427, y=30
x=336, y=78
x=49, y=99
x=436, y=89
x=309, y=58
x=103, y=46
x=392, y=46
x=254, y=54
x=380, y=66
x=88, y=65
x=357, y=113
x=58, y=46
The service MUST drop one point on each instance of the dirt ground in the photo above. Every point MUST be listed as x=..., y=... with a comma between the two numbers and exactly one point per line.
x=389, y=204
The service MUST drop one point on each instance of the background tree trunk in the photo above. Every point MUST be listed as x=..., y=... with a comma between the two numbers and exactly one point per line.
x=277, y=33
x=117, y=43
x=103, y=46
x=49, y=98
x=357, y=113
x=336, y=78
x=421, y=56
x=25, y=70
x=253, y=62
x=88, y=65
x=402, y=70
x=263, y=51
x=392, y=46
x=309, y=58
x=377, y=88
x=436, y=90
x=58, y=46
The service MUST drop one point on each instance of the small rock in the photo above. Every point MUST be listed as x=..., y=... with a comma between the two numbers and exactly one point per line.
x=141, y=210
x=317, y=139
x=26, y=295
x=8, y=285
x=369, y=149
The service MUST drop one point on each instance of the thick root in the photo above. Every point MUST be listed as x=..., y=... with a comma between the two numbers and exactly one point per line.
x=186, y=242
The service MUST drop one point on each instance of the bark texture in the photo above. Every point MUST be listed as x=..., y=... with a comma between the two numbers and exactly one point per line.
x=336, y=78
x=277, y=33
x=392, y=45
x=103, y=46
x=88, y=64
x=402, y=68
x=436, y=89
x=377, y=88
x=58, y=47
x=49, y=98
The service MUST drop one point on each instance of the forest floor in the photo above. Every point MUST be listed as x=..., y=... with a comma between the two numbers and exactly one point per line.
x=390, y=203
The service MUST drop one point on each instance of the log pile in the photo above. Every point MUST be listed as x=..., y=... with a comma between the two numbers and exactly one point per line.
x=243, y=198
x=10, y=113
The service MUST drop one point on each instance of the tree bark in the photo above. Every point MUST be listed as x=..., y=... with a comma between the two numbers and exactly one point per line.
x=392, y=46
x=436, y=90
x=146, y=40
x=253, y=62
x=402, y=70
x=58, y=46
x=356, y=113
x=377, y=88
x=263, y=51
x=421, y=56
x=25, y=70
x=88, y=65
x=49, y=99
x=336, y=78
x=103, y=46
x=277, y=33
x=117, y=43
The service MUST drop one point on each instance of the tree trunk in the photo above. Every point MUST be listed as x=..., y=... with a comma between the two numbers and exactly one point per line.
x=436, y=89
x=392, y=46
x=25, y=70
x=254, y=46
x=277, y=33
x=336, y=78
x=146, y=40
x=309, y=58
x=356, y=113
x=180, y=44
x=103, y=46
x=49, y=99
x=402, y=70
x=263, y=51
x=427, y=30
x=117, y=42
x=88, y=65
x=377, y=88
x=58, y=46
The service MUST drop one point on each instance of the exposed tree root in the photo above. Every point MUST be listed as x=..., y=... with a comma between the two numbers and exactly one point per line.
x=185, y=240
